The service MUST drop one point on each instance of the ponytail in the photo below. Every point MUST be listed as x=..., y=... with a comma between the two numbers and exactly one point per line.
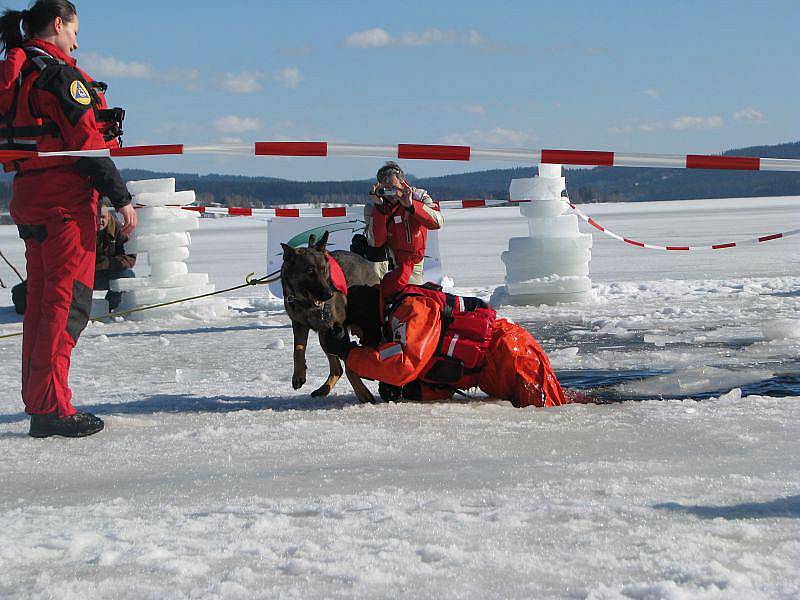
x=32, y=21
x=11, y=29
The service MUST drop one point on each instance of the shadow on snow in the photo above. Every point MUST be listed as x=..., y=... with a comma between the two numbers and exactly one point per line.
x=788, y=507
x=160, y=332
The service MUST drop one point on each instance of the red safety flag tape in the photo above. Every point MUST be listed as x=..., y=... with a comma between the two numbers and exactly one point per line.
x=675, y=248
x=443, y=152
x=432, y=152
x=291, y=149
x=157, y=150
x=335, y=211
x=341, y=211
x=733, y=163
x=578, y=157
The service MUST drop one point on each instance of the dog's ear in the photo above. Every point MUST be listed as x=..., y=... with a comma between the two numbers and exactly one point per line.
x=320, y=245
x=288, y=252
x=312, y=239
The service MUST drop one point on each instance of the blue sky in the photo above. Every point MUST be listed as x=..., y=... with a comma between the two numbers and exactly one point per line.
x=655, y=77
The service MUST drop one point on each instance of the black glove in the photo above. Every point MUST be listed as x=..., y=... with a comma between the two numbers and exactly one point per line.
x=358, y=245
x=339, y=345
x=389, y=393
x=413, y=391
x=376, y=253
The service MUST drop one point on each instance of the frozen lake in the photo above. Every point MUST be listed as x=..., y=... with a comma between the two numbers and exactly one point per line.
x=214, y=478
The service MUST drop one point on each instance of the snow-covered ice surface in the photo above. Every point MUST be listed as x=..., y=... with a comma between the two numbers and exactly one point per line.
x=215, y=479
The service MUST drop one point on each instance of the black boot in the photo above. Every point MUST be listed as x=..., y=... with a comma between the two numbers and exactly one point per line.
x=413, y=391
x=77, y=425
x=389, y=393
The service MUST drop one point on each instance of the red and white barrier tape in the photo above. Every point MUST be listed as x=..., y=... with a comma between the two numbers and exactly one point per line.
x=440, y=152
x=676, y=248
x=331, y=211
x=357, y=210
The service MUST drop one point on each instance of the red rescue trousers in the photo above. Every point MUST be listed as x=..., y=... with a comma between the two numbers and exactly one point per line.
x=60, y=280
x=517, y=369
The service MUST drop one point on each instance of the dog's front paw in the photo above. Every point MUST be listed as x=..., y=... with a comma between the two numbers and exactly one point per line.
x=323, y=390
x=365, y=396
x=298, y=381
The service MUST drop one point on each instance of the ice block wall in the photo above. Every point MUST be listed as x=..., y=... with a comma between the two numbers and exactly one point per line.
x=163, y=235
x=551, y=265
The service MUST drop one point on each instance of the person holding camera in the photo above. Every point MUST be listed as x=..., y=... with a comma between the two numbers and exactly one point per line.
x=398, y=219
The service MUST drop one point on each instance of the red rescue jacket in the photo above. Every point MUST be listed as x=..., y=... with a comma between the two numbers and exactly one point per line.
x=436, y=337
x=48, y=104
x=405, y=230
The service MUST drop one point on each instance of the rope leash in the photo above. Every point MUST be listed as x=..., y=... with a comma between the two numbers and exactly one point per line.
x=13, y=268
x=249, y=280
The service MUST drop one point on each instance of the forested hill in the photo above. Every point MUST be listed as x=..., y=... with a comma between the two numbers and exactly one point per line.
x=602, y=184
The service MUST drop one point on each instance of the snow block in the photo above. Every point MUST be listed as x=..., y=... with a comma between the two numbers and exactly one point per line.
x=551, y=265
x=165, y=198
x=147, y=186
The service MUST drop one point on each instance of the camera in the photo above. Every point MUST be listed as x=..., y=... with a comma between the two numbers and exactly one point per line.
x=387, y=192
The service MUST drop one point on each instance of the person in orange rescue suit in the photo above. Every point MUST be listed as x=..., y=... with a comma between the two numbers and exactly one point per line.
x=424, y=344
x=398, y=219
x=48, y=104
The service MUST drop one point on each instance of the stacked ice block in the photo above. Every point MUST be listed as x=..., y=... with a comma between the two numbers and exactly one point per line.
x=163, y=234
x=551, y=264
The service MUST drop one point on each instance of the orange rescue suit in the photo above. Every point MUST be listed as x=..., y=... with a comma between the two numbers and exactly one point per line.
x=516, y=367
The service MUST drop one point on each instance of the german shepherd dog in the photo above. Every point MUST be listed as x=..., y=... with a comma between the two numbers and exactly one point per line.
x=312, y=302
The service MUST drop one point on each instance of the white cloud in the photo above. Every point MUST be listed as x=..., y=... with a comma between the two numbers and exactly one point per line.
x=696, y=123
x=429, y=37
x=432, y=36
x=475, y=109
x=246, y=82
x=498, y=136
x=651, y=93
x=289, y=77
x=298, y=51
x=473, y=38
x=108, y=66
x=749, y=114
x=233, y=124
x=678, y=124
x=187, y=77
x=371, y=38
x=561, y=48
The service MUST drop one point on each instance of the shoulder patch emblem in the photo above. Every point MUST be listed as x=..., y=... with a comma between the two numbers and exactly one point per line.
x=79, y=93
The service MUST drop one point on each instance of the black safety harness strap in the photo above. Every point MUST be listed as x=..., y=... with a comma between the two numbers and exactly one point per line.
x=24, y=138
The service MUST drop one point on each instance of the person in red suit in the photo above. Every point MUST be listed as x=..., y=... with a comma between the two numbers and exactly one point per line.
x=398, y=219
x=51, y=105
x=423, y=344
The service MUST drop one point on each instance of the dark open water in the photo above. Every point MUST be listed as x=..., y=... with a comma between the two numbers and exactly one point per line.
x=787, y=383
